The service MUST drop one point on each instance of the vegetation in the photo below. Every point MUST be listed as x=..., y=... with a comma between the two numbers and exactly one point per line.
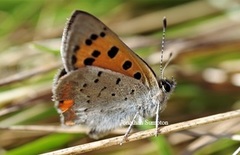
x=204, y=37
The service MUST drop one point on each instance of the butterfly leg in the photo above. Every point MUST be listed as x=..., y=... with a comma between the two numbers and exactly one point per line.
x=157, y=114
x=157, y=118
x=129, y=129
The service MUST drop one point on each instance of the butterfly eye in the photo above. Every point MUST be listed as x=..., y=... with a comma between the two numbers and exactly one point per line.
x=166, y=86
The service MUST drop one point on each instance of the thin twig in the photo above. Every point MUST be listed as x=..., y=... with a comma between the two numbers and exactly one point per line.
x=29, y=101
x=148, y=133
x=24, y=75
x=44, y=128
x=55, y=129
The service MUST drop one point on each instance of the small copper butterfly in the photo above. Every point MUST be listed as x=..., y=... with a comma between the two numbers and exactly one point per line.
x=104, y=84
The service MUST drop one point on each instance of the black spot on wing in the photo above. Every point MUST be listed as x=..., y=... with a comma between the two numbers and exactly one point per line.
x=101, y=91
x=113, y=52
x=88, y=42
x=127, y=64
x=102, y=34
x=99, y=73
x=132, y=91
x=96, y=80
x=96, y=53
x=94, y=36
x=137, y=76
x=118, y=80
x=76, y=48
x=89, y=61
x=74, y=59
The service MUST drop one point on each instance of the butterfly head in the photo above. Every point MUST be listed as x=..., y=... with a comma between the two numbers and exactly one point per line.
x=167, y=85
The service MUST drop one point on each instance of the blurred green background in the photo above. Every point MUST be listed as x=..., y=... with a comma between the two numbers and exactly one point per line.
x=204, y=37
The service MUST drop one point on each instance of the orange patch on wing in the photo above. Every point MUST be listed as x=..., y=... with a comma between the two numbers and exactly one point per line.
x=65, y=105
x=103, y=45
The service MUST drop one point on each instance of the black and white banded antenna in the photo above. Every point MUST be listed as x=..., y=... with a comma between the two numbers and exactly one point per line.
x=162, y=50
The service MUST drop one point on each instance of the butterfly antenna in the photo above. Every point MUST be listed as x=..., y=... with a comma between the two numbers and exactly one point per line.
x=163, y=42
x=168, y=61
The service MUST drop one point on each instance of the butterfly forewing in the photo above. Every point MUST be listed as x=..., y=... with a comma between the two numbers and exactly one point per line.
x=87, y=41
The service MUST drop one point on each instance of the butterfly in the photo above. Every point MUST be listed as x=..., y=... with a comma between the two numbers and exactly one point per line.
x=104, y=84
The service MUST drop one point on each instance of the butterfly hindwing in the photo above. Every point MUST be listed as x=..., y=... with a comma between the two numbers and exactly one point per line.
x=101, y=99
